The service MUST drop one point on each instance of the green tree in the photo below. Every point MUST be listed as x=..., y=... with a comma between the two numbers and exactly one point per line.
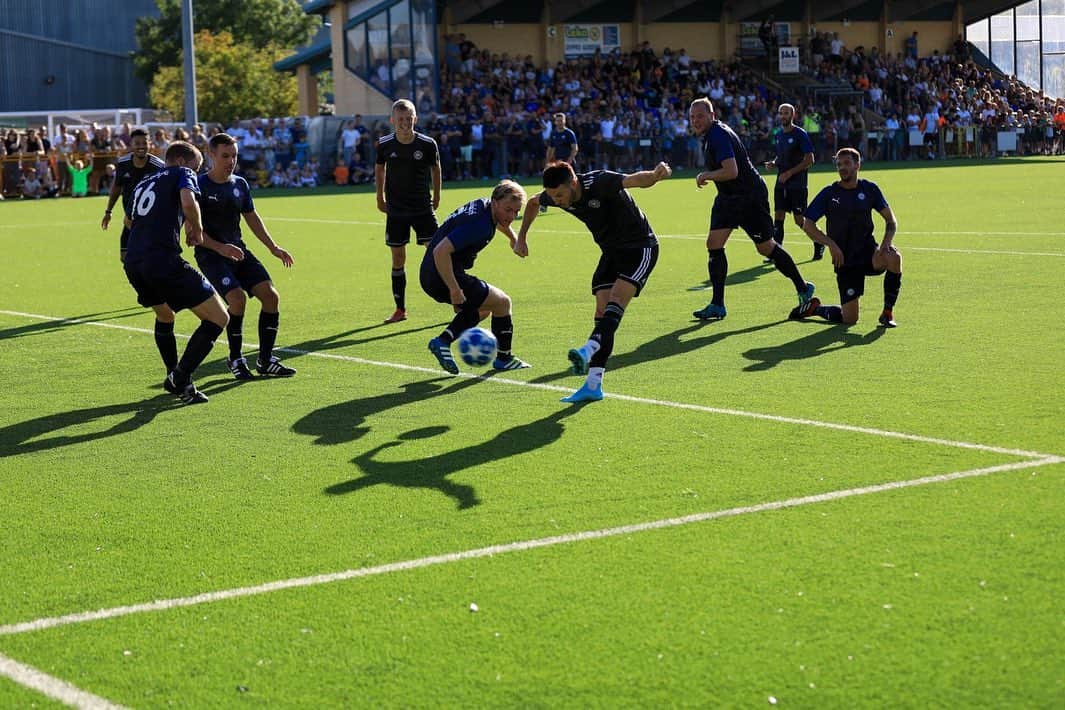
x=257, y=22
x=233, y=79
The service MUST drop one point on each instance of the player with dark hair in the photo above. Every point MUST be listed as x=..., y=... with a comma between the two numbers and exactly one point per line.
x=130, y=169
x=408, y=164
x=601, y=200
x=164, y=281
x=445, y=277
x=562, y=145
x=230, y=267
x=742, y=201
x=794, y=156
x=848, y=207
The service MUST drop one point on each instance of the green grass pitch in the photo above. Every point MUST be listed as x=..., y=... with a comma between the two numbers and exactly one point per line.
x=761, y=511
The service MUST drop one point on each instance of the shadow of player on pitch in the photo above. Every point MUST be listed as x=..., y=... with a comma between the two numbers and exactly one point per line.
x=53, y=431
x=666, y=345
x=736, y=278
x=829, y=339
x=343, y=422
x=43, y=327
x=344, y=339
x=433, y=471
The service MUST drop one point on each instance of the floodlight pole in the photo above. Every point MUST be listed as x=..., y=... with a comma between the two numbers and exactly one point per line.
x=191, y=118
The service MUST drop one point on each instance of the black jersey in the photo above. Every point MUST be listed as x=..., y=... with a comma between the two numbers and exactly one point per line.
x=222, y=204
x=849, y=214
x=157, y=213
x=609, y=211
x=791, y=147
x=721, y=143
x=408, y=174
x=127, y=175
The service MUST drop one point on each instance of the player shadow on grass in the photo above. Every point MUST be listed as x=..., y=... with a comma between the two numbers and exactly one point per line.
x=829, y=339
x=343, y=340
x=432, y=472
x=45, y=433
x=738, y=277
x=51, y=326
x=664, y=346
x=343, y=422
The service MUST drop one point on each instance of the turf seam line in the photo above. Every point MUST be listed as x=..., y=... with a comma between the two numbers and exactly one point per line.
x=481, y=552
x=55, y=688
x=609, y=395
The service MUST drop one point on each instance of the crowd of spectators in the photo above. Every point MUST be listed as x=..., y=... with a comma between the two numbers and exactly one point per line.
x=940, y=105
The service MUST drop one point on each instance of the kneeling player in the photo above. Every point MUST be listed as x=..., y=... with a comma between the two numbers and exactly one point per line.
x=444, y=278
x=163, y=280
x=230, y=267
x=848, y=206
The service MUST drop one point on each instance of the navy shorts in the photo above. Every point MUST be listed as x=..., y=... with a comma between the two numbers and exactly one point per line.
x=633, y=264
x=851, y=280
x=748, y=212
x=475, y=290
x=789, y=199
x=226, y=275
x=169, y=280
x=397, y=229
x=123, y=241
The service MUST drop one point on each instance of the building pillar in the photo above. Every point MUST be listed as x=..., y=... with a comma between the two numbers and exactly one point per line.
x=307, y=88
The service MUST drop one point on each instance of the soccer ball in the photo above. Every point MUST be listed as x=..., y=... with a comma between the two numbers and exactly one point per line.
x=477, y=347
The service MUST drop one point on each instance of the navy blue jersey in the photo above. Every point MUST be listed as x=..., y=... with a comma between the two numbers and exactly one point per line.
x=127, y=175
x=609, y=211
x=849, y=216
x=157, y=214
x=564, y=142
x=792, y=146
x=721, y=143
x=470, y=229
x=222, y=204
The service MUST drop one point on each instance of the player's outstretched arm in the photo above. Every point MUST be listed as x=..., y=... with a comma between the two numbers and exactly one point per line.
x=647, y=178
x=890, y=226
x=112, y=198
x=255, y=223
x=532, y=209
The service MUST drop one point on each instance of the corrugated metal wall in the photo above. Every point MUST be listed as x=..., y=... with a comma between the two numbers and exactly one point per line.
x=38, y=74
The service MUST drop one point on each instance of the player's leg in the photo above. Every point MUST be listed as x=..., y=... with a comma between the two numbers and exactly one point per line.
x=269, y=319
x=780, y=199
x=851, y=283
x=498, y=303
x=721, y=226
x=758, y=227
x=466, y=316
x=236, y=304
x=891, y=260
x=213, y=319
x=164, y=335
x=397, y=235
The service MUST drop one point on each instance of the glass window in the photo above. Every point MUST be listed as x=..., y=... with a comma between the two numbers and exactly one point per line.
x=977, y=35
x=1054, y=75
x=423, y=36
x=356, y=50
x=402, y=65
x=1028, y=70
x=380, y=69
x=1002, y=41
x=1053, y=26
x=1027, y=21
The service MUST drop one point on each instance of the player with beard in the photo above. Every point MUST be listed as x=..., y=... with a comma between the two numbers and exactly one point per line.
x=130, y=169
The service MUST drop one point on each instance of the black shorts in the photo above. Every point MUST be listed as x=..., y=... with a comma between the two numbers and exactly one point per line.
x=748, y=212
x=632, y=264
x=170, y=280
x=789, y=199
x=851, y=280
x=397, y=229
x=475, y=290
x=226, y=275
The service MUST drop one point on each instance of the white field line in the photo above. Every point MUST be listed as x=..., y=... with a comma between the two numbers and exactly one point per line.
x=610, y=395
x=52, y=687
x=480, y=552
